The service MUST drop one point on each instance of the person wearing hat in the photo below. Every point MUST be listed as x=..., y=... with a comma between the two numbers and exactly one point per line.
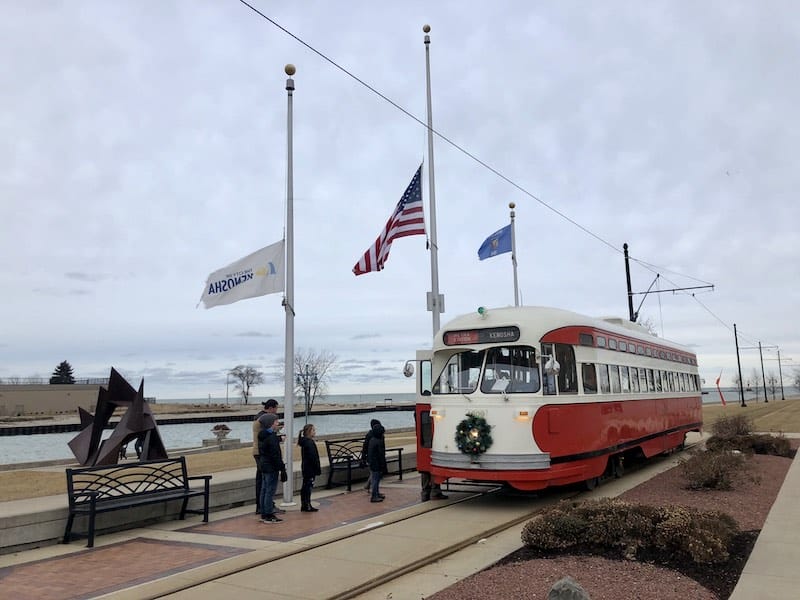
x=272, y=465
x=364, y=449
x=269, y=407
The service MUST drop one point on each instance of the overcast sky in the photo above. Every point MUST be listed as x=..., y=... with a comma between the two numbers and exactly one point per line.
x=143, y=145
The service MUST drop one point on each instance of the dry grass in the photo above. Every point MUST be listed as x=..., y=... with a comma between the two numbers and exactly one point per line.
x=777, y=417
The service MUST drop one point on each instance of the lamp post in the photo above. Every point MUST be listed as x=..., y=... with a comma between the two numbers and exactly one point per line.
x=305, y=379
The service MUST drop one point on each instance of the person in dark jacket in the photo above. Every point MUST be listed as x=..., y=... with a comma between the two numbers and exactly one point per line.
x=270, y=406
x=309, y=465
x=364, y=449
x=272, y=465
x=376, y=459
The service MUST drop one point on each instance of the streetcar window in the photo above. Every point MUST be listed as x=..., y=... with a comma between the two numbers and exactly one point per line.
x=425, y=377
x=634, y=379
x=632, y=348
x=640, y=350
x=589, y=376
x=651, y=385
x=642, y=379
x=613, y=370
x=511, y=370
x=605, y=386
x=624, y=380
x=568, y=372
x=601, y=341
x=585, y=339
x=460, y=374
x=657, y=377
x=612, y=344
x=647, y=351
x=623, y=346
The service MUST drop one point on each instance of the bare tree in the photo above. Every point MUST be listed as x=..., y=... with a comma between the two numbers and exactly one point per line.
x=650, y=325
x=247, y=377
x=312, y=370
x=755, y=382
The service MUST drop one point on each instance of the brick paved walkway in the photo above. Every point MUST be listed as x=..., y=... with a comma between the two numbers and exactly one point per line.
x=87, y=573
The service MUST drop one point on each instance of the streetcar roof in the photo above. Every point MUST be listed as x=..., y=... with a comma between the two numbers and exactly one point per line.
x=543, y=319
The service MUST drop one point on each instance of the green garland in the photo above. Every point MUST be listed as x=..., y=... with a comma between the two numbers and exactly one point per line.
x=473, y=435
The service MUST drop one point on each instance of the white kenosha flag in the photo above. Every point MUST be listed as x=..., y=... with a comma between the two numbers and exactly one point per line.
x=257, y=274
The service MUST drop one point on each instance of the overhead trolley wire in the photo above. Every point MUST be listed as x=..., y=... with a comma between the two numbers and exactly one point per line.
x=484, y=164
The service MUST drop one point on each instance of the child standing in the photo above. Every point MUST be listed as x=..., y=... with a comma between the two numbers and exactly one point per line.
x=310, y=466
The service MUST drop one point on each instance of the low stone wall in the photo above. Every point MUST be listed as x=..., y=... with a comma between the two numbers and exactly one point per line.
x=43, y=522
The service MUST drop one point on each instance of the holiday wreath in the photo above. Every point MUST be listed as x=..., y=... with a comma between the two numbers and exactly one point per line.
x=473, y=435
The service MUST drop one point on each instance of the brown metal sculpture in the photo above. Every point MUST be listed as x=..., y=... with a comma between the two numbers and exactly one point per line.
x=137, y=424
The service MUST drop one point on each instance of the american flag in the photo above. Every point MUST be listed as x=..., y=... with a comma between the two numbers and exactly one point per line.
x=407, y=219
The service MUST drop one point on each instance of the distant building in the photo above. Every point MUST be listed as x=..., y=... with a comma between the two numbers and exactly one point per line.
x=23, y=399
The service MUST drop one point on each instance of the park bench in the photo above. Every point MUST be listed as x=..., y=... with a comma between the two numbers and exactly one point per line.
x=94, y=490
x=345, y=455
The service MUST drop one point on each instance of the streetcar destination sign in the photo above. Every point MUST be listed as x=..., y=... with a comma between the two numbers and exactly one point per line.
x=488, y=335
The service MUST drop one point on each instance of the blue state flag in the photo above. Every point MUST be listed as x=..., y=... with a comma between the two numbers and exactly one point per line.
x=497, y=243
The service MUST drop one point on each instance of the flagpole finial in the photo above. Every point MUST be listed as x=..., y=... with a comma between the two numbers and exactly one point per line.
x=426, y=28
x=289, y=69
x=511, y=205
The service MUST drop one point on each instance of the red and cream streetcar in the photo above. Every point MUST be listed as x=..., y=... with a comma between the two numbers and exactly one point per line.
x=536, y=397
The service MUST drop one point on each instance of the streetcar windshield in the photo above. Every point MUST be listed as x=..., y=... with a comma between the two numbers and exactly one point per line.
x=510, y=370
x=460, y=374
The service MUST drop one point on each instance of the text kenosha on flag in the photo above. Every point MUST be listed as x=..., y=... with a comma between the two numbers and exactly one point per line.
x=407, y=219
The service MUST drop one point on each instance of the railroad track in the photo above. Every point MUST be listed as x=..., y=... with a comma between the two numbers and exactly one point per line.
x=365, y=559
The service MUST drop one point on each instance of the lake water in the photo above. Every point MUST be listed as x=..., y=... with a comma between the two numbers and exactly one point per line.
x=53, y=446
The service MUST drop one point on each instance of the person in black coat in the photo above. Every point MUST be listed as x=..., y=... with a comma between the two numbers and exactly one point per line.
x=309, y=465
x=272, y=465
x=364, y=449
x=376, y=459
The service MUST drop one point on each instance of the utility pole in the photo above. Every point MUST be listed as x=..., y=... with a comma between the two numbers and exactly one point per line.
x=780, y=371
x=761, y=355
x=631, y=316
x=739, y=364
x=634, y=315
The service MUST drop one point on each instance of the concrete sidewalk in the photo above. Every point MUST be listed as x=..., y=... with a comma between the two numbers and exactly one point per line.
x=350, y=548
x=772, y=571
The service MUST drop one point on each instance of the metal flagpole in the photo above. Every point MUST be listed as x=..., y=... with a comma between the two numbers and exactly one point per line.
x=288, y=302
x=511, y=205
x=435, y=300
